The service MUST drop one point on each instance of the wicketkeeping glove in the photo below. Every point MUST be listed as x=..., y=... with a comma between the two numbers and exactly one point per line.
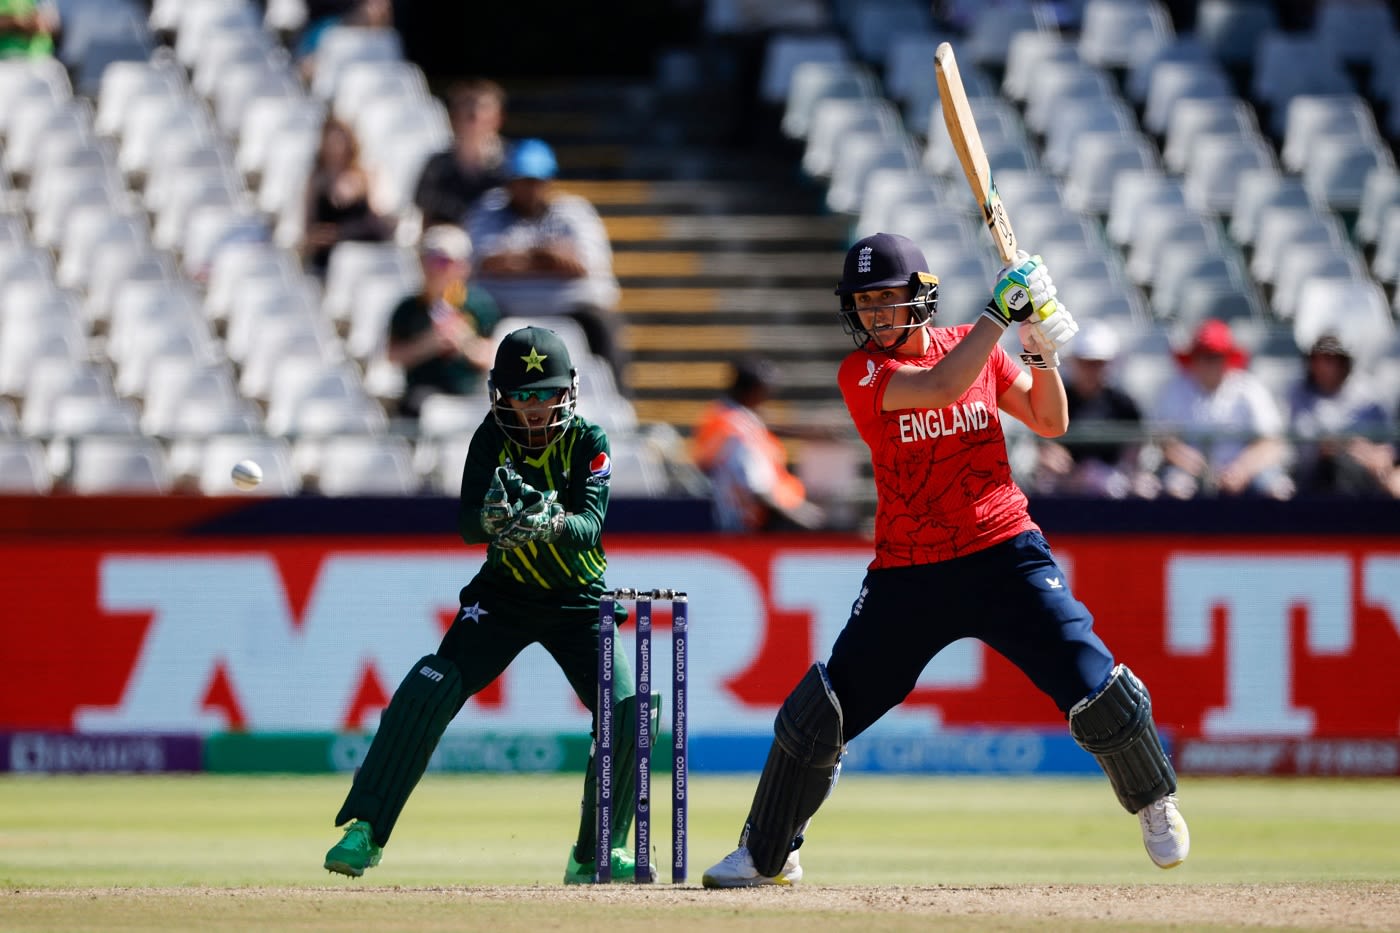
x=501, y=504
x=1023, y=290
x=540, y=519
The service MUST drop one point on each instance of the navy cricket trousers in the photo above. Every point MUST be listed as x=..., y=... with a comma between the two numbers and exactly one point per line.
x=1011, y=596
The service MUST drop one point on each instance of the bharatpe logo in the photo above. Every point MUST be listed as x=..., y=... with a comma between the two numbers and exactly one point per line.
x=863, y=259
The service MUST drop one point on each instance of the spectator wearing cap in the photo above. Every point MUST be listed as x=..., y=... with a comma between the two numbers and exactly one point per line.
x=545, y=253
x=1220, y=428
x=1341, y=428
x=746, y=463
x=454, y=179
x=1099, y=455
x=440, y=336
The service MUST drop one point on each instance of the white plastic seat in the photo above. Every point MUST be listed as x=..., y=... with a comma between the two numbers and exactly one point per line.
x=878, y=20
x=1257, y=189
x=261, y=301
x=274, y=454
x=816, y=81
x=1379, y=192
x=26, y=349
x=280, y=342
x=201, y=21
x=363, y=81
x=341, y=45
x=1179, y=263
x=1288, y=64
x=1199, y=301
x=366, y=466
x=42, y=78
x=1097, y=158
x=859, y=154
x=1112, y=29
x=889, y=190
x=1298, y=262
x=1185, y=47
x=212, y=227
x=1058, y=82
x=1385, y=264
x=34, y=118
x=441, y=462
x=370, y=313
x=182, y=399
x=153, y=123
x=906, y=56
x=785, y=50
x=236, y=89
x=1171, y=81
x=227, y=50
x=1278, y=226
x=119, y=465
x=236, y=265
x=87, y=228
x=442, y=415
x=295, y=384
x=1076, y=116
x=1214, y=167
x=1335, y=170
x=23, y=467
x=637, y=469
x=352, y=261
x=125, y=81
x=993, y=27
x=275, y=118
x=1027, y=53
x=1192, y=118
x=833, y=119
x=1133, y=193
x=1310, y=117
x=1161, y=227
x=55, y=378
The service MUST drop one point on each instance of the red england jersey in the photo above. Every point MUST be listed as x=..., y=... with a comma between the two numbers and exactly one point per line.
x=942, y=474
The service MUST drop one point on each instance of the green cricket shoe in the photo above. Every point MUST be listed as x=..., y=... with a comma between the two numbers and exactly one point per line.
x=624, y=868
x=355, y=851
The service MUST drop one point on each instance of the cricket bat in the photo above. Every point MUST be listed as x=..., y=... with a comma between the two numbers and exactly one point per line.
x=967, y=143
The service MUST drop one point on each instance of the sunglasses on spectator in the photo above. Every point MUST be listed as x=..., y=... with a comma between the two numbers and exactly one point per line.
x=532, y=395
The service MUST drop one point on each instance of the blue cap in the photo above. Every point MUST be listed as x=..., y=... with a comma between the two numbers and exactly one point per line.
x=881, y=260
x=532, y=158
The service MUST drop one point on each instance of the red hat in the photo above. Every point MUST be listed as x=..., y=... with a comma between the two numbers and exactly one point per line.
x=1214, y=336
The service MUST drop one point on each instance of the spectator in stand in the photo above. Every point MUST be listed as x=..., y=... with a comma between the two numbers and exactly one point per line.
x=441, y=336
x=1106, y=462
x=545, y=253
x=453, y=180
x=27, y=28
x=338, y=199
x=745, y=461
x=1221, y=429
x=1341, y=427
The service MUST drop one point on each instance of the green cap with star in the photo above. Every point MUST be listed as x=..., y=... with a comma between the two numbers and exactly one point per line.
x=532, y=358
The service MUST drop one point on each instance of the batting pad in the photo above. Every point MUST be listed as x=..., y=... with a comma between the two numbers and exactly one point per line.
x=409, y=731
x=802, y=767
x=1115, y=726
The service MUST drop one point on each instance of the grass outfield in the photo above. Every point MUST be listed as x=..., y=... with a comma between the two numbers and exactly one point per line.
x=244, y=852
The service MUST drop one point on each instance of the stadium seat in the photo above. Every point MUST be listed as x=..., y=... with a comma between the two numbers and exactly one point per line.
x=1231, y=29
x=1353, y=307
x=993, y=27
x=783, y=53
x=119, y=466
x=1174, y=80
x=1184, y=47
x=351, y=465
x=833, y=119
x=1298, y=262
x=218, y=454
x=1380, y=190
x=1278, y=226
x=1163, y=226
x=1056, y=84
x=1260, y=188
x=1288, y=64
x=1028, y=52
x=1214, y=167
x=1132, y=194
x=1191, y=118
x=1335, y=170
x=1112, y=30
x=815, y=81
x=1354, y=31
x=1385, y=264
x=51, y=379
x=23, y=467
x=1096, y=159
x=906, y=63
x=1199, y=301
x=889, y=190
x=1076, y=116
x=877, y=21
x=857, y=156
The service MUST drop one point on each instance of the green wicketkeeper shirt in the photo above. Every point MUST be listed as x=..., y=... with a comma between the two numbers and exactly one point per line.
x=567, y=572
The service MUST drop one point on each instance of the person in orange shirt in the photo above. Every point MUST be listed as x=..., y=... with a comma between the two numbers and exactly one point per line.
x=746, y=462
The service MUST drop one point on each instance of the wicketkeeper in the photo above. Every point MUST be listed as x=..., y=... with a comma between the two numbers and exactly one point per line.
x=535, y=489
x=956, y=553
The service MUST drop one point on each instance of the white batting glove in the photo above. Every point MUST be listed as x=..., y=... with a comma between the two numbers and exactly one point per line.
x=1036, y=350
x=1023, y=290
x=1056, y=328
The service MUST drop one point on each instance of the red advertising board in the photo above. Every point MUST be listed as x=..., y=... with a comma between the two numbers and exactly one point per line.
x=1237, y=637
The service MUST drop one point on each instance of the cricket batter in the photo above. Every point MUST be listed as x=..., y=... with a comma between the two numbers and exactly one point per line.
x=956, y=554
x=535, y=489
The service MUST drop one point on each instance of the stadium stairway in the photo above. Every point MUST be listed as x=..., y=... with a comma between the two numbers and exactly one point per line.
x=721, y=246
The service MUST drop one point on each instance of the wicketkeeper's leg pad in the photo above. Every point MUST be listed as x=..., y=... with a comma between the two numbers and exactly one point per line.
x=1115, y=726
x=801, y=769
x=409, y=731
x=624, y=780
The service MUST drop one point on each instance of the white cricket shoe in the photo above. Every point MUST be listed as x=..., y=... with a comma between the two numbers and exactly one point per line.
x=736, y=870
x=1164, y=832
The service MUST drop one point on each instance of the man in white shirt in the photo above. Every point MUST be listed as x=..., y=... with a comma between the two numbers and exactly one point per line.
x=1220, y=427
